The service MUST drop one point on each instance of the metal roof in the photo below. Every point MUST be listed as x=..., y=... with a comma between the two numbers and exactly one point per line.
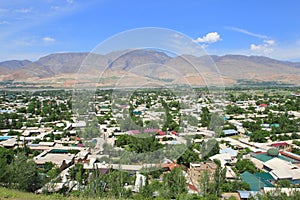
x=255, y=183
x=5, y=137
x=248, y=194
x=266, y=157
x=265, y=176
x=230, y=132
x=232, y=152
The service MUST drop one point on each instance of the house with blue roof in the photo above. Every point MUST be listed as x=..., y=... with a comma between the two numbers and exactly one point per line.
x=230, y=151
x=230, y=132
x=5, y=138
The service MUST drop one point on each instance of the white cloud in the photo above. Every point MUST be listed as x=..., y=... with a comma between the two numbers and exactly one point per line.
x=70, y=1
x=265, y=48
x=4, y=22
x=270, y=42
x=23, y=10
x=209, y=38
x=48, y=39
x=240, y=30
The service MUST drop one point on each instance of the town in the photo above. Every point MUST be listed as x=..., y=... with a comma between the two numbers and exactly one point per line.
x=152, y=143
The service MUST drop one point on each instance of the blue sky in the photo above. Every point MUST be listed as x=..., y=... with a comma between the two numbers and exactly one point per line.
x=33, y=28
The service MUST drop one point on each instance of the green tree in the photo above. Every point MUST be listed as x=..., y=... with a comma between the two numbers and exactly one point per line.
x=188, y=157
x=205, y=117
x=234, y=110
x=24, y=174
x=210, y=148
x=6, y=157
x=273, y=152
x=232, y=186
x=77, y=173
x=115, y=182
x=205, y=183
x=219, y=179
x=174, y=184
x=284, y=183
x=245, y=165
x=147, y=191
x=259, y=136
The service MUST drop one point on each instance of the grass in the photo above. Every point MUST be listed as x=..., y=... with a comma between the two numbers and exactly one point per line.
x=236, y=137
x=18, y=195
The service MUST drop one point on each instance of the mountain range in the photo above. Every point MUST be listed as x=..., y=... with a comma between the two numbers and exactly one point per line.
x=140, y=67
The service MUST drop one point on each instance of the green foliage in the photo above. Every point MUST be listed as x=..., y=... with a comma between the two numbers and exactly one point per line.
x=11, y=120
x=243, y=165
x=137, y=144
x=188, y=157
x=77, y=173
x=259, y=136
x=295, y=136
x=233, y=109
x=173, y=184
x=216, y=124
x=273, y=152
x=154, y=173
x=205, y=117
x=91, y=130
x=296, y=143
x=296, y=151
x=23, y=174
x=287, y=125
x=232, y=186
x=11, y=132
x=192, y=120
x=277, y=195
x=6, y=193
x=251, y=126
x=6, y=157
x=211, y=187
x=147, y=191
x=53, y=173
x=109, y=185
x=284, y=183
x=209, y=148
x=219, y=179
x=48, y=166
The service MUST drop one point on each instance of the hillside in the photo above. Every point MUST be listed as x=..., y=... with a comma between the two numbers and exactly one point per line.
x=18, y=195
x=148, y=67
x=6, y=193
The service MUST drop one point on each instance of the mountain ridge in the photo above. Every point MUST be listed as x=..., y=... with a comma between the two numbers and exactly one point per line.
x=63, y=68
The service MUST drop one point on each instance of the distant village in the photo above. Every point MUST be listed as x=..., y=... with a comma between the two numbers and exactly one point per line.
x=244, y=145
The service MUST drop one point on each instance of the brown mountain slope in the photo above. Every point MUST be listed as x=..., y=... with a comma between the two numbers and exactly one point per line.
x=132, y=67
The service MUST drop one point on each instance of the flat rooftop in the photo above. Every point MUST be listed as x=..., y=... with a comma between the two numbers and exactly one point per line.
x=266, y=157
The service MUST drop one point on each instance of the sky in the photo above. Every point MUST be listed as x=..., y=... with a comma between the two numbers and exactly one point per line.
x=30, y=29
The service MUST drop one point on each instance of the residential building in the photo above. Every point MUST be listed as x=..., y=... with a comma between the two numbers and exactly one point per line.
x=197, y=169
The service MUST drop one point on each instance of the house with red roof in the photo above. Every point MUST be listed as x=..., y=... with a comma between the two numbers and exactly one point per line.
x=174, y=133
x=161, y=133
x=192, y=189
x=263, y=105
x=169, y=166
x=280, y=145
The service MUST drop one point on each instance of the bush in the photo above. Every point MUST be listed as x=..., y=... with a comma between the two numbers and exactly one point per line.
x=273, y=152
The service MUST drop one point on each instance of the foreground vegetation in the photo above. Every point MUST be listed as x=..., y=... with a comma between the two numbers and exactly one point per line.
x=6, y=193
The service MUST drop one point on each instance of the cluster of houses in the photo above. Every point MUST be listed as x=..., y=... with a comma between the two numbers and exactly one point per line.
x=67, y=149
